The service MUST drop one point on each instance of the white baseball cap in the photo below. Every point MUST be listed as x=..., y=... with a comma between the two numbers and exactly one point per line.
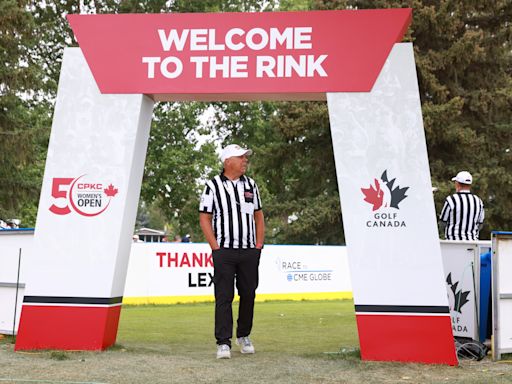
x=463, y=177
x=234, y=150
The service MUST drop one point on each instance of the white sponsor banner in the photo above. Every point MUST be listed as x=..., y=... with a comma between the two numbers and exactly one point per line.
x=501, y=293
x=172, y=272
x=461, y=261
x=385, y=189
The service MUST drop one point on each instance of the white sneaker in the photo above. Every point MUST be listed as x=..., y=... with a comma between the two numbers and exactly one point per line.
x=223, y=351
x=245, y=344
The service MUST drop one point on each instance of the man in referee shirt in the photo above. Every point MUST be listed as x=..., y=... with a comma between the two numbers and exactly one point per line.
x=232, y=222
x=463, y=212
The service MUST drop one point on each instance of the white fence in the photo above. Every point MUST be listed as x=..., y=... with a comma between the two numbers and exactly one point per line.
x=166, y=273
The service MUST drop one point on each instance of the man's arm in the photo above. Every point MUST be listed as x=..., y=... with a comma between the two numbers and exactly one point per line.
x=205, y=221
x=259, y=220
x=444, y=216
x=482, y=215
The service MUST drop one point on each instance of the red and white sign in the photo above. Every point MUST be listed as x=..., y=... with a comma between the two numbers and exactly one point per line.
x=83, y=195
x=389, y=218
x=239, y=53
x=183, y=272
x=395, y=261
x=75, y=280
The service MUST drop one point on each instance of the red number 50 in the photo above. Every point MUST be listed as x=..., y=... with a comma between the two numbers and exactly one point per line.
x=59, y=193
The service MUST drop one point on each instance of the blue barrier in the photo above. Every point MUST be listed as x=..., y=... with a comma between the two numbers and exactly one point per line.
x=485, y=294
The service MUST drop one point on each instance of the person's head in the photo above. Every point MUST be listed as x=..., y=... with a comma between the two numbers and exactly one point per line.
x=463, y=181
x=235, y=160
x=135, y=238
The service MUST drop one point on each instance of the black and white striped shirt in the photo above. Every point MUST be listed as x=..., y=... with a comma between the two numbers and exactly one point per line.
x=232, y=204
x=463, y=214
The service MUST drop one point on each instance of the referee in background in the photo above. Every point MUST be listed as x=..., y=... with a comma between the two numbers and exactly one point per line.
x=232, y=222
x=463, y=212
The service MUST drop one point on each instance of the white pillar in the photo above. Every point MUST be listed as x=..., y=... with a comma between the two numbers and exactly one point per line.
x=389, y=218
x=76, y=275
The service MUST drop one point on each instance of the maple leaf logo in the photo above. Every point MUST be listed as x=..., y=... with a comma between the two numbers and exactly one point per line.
x=460, y=297
x=388, y=197
x=111, y=191
x=373, y=195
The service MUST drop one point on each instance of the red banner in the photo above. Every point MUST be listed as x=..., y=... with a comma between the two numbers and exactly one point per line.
x=228, y=55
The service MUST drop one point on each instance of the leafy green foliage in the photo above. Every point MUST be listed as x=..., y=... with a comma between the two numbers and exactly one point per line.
x=175, y=163
x=293, y=163
x=22, y=120
x=464, y=64
x=298, y=167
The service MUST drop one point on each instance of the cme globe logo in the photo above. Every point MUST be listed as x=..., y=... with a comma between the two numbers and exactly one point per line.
x=383, y=195
x=84, y=195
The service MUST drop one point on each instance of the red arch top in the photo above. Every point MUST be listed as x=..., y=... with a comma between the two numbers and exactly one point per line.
x=237, y=56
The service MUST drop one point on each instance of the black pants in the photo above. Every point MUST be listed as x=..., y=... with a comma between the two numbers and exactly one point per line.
x=230, y=264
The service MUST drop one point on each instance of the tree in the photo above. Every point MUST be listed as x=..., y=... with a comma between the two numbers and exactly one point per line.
x=175, y=163
x=464, y=63
x=463, y=57
x=22, y=119
x=293, y=165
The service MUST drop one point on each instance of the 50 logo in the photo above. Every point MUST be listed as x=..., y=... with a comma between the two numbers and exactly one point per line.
x=83, y=195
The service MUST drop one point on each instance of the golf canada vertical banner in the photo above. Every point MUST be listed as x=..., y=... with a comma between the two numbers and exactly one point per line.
x=389, y=218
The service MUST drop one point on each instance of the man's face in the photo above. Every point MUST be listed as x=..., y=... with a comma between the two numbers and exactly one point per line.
x=237, y=164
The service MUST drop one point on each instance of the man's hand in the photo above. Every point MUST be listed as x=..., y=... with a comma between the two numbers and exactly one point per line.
x=205, y=221
x=259, y=221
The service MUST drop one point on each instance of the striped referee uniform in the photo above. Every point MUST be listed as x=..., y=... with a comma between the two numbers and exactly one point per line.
x=463, y=214
x=232, y=204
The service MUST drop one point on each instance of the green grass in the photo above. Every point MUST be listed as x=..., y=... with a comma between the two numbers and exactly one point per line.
x=6, y=339
x=297, y=328
x=296, y=342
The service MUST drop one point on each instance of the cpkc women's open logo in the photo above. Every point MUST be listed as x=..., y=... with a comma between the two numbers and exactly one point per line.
x=84, y=195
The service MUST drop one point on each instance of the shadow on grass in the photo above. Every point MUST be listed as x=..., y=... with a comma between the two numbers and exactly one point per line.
x=348, y=354
x=140, y=349
x=59, y=355
x=7, y=339
x=117, y=348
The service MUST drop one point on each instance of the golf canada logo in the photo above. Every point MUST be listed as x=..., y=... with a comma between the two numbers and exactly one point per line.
x=457, y=299
x=83, y=195
x=384, y=197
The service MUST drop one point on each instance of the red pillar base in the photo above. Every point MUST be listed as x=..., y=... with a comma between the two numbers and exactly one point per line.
x=67, y=327
x=420, y=339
